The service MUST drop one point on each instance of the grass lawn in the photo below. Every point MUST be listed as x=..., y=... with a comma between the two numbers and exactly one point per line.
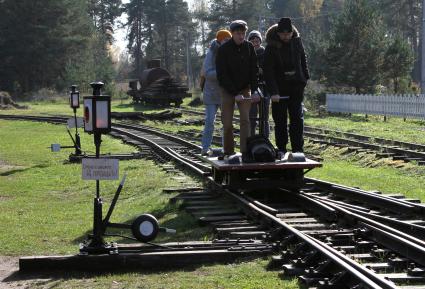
x=368, y=173
x=46, y=209
x=394, y=128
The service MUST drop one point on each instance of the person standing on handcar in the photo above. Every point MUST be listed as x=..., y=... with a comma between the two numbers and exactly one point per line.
x=211, y=89
x=286, y=74
x=237, y=74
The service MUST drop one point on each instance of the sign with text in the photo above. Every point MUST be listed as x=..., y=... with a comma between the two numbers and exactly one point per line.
x=71, y=122
x=100, y=169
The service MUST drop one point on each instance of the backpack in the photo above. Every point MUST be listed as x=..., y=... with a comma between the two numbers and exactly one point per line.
x=260, y=149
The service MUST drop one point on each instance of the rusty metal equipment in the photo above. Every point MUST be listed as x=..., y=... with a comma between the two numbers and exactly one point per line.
x=156, y=86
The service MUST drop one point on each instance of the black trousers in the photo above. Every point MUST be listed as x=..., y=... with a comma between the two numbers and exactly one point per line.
x=280, y=110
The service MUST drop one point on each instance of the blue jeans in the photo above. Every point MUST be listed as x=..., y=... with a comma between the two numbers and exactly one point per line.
x=207, y=136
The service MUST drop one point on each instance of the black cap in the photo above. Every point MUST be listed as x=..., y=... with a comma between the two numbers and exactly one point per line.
x=238, y=25
x=284, y=25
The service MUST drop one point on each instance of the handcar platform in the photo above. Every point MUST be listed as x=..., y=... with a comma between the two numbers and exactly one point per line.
x=254, y=176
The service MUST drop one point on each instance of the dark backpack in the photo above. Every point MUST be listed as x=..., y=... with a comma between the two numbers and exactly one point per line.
x=260, y=149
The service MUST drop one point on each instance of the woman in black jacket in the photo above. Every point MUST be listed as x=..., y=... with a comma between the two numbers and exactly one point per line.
x=286, y=74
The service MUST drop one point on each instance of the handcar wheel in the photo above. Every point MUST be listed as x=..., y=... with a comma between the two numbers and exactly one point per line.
x=145, y=228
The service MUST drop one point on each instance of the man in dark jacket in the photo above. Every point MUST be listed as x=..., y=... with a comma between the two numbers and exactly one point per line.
x=237, y=75
x=255, y=38
x=286, y=74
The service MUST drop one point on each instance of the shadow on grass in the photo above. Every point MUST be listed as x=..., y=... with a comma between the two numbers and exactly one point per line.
x=44, y=278
x=185, y=225
x=353, y=118
x=14, y=171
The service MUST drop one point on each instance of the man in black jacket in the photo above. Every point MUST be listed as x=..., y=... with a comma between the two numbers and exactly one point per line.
x=286, y=74
x=237, y=75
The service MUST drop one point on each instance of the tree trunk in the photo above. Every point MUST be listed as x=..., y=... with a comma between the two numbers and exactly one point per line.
x=138, y=48
x=165, y=51
x=414, y=35
x=396, y=86
x=204, y=49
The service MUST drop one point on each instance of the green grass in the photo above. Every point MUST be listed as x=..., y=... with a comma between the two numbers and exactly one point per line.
x=46, y=209
x=231, y=276
x=394, y=128
x=61, y=107
x=42, y=196
x=368, y=173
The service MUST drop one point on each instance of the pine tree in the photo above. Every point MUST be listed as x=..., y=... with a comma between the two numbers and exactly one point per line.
x=36, y=46
x=356, y=48
x=104, y=13
x=161, y=29
x=398, y=61
x=200, y=14
x=136, y=32
x=403, y=17
x=220, y=16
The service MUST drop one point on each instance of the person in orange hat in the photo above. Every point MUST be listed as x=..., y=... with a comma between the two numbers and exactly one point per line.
x=223, y=35
x=211, y=90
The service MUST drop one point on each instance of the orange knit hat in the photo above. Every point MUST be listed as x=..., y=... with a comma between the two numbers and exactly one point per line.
x=222, y=34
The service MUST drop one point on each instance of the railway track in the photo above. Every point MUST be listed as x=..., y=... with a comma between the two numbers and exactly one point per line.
x=397, y=150
x=329, y=235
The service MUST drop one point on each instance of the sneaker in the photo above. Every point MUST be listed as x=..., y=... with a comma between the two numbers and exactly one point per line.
x=232, y=159
x=204, y=153
x=215, y=152
x=224, y=156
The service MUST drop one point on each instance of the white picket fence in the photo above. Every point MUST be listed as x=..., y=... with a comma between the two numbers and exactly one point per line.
x=406, y=106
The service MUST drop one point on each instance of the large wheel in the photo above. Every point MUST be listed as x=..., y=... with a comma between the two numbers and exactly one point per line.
x=145, y=228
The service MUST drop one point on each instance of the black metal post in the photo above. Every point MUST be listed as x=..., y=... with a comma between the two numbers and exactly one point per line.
x=97, y=216
x=77, y=136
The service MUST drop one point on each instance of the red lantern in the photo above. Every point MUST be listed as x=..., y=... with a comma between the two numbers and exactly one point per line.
x=97, y=111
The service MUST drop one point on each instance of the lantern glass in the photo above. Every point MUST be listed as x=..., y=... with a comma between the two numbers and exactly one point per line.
x=75, y=100
x=102, y=114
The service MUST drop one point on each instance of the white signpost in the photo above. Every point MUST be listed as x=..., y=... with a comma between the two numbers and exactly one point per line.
x=55, y=147
x=100, y=169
